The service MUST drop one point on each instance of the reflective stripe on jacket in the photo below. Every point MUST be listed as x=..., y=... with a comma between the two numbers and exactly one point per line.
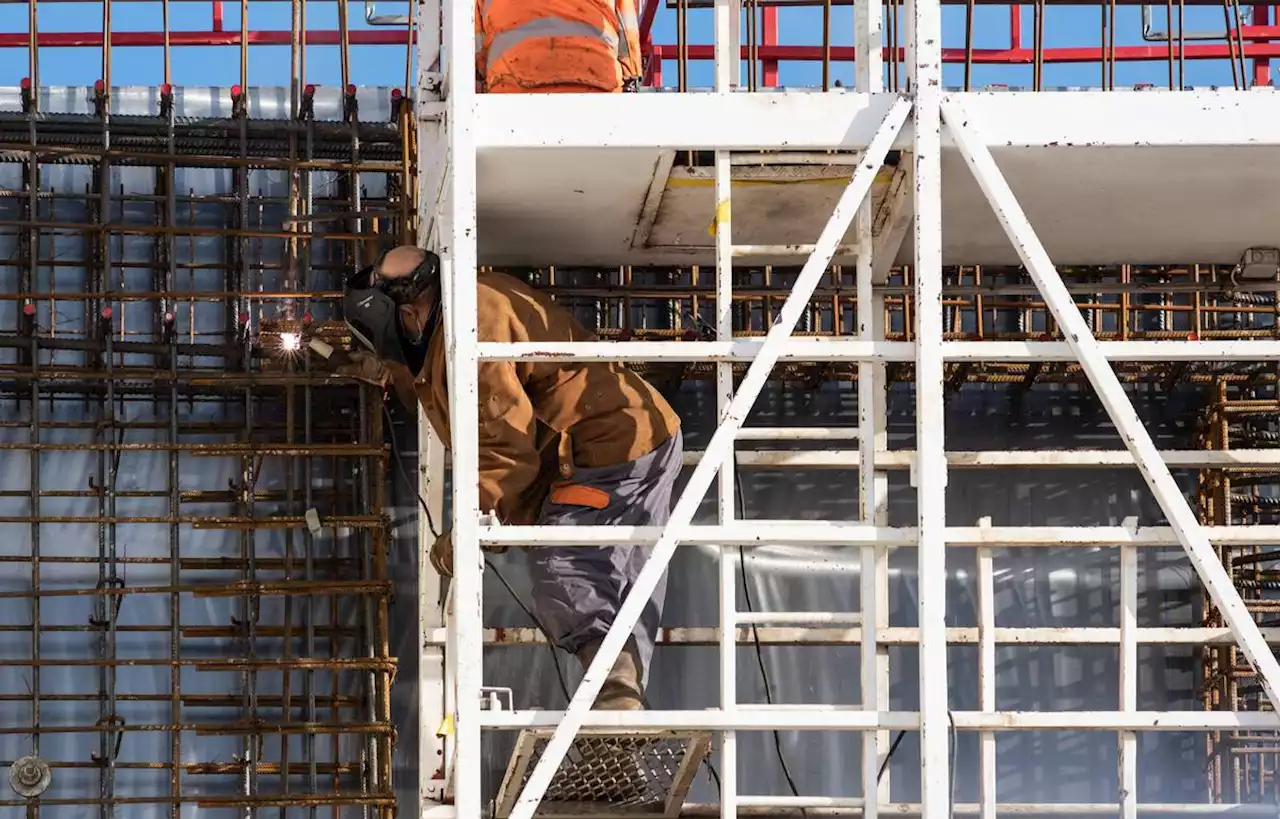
x=587, y=45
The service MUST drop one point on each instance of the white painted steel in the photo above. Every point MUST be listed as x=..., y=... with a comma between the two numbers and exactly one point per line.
x=803, y=802
x=799, y=617
x=727, y=74
x=798, y=434
x=806, y=121
x=458, y=269
x=899, y=459
x=903, y=636
x=1156, y=351
x=742, y=350
x=873, y=439
x=703, y=474
x=837, y=718
x=1103, y=119
x=705, y=811
x=986, y=678
x=1176, y=509
x=826, y=718
x=857, y=349
x=1128, y=750
x=924, y=71
x=819, y=533
x=698, y=121
x=434, y=752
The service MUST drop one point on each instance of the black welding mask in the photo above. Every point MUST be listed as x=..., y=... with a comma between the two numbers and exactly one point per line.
x=370, y=306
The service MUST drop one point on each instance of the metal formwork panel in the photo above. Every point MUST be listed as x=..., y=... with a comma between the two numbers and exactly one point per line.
x=196, y=584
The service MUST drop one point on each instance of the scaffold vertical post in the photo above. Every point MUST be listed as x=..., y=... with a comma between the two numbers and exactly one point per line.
x=924, y=70
x=433, y=754
x=872, y=440
x=986, y=678
x=459, y=276
x=1128, y=741
x=727, y=75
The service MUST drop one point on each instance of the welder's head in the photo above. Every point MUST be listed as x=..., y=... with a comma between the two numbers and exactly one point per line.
x=373, y=296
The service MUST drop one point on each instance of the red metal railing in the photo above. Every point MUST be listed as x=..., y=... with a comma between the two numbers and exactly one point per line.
x=1247, y=48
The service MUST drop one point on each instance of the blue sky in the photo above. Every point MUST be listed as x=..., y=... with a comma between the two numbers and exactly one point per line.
x=383, y=65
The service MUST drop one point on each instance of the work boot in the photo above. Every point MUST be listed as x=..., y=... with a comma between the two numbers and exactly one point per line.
x=622, y=690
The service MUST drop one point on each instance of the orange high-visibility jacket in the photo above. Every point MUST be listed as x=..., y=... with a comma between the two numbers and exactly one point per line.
x=541, y=46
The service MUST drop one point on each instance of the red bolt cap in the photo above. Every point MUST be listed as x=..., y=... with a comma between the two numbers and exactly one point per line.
x=235, y=91
x=396, y=93
x=310, y=90
x=166, y=90
x=351, y=90
x=25, y=83
x=169, y=317
x=29, y=309
x=306, y=318
x=99, y=86
x=106, y=312
x=244, y=318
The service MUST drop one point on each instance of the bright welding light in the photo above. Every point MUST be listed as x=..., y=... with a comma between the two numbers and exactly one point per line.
x=291, y=342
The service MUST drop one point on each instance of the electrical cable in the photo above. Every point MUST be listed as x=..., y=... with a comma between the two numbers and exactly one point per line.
x=755, y=634
x=746, y=588
x=431, y=524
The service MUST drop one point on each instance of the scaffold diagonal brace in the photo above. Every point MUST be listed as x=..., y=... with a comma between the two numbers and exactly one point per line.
x=1093, y=361
x=721, y=443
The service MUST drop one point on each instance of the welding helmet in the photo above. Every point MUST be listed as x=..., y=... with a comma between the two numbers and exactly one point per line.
x=370, y=314
x=370, y=305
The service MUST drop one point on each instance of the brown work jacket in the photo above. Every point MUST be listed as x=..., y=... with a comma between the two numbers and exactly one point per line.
x=540, y=419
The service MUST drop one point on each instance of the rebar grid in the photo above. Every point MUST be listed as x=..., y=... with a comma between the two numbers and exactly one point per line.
x=1122, y=303
x=195, y=587
x=1243, y=766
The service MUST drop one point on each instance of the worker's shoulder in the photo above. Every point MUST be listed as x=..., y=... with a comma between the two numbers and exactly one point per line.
x=493, y=286
x=503, y=292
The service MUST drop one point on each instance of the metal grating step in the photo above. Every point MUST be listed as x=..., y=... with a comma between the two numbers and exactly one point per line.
x=644, y=773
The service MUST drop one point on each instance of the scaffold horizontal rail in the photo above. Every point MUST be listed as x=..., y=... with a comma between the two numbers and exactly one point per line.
x=812, y=533
x=851, y=349
x=799, y=120
x=897, y=635
x=844, y=718
x=899, y=459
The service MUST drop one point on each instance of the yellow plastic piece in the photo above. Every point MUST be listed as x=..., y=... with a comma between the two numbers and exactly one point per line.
x=446, y=726
x=722, y=217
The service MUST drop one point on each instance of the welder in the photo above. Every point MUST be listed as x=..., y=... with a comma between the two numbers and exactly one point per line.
x=561, y=443
x=557, y=46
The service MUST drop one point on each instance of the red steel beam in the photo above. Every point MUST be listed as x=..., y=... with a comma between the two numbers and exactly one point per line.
x=73, y=39
x=992, y=56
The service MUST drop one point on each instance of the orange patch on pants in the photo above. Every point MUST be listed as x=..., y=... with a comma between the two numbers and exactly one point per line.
x=575, y=494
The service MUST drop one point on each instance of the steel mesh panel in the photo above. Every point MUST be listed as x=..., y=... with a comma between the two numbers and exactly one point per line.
x=610, y=774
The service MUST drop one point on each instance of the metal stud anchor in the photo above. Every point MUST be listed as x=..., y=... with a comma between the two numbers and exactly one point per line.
x=29, y=776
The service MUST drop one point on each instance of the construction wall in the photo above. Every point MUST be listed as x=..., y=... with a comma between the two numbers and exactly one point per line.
x=106, y=651
x=153, y=497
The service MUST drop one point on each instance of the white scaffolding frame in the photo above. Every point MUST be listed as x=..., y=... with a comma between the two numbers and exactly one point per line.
x=922, y=122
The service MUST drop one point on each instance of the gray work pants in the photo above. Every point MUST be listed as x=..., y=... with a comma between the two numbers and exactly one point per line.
x=577, y=590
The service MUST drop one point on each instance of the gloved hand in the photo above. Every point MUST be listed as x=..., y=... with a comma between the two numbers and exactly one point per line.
x=366, y=367
x=441, y=554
